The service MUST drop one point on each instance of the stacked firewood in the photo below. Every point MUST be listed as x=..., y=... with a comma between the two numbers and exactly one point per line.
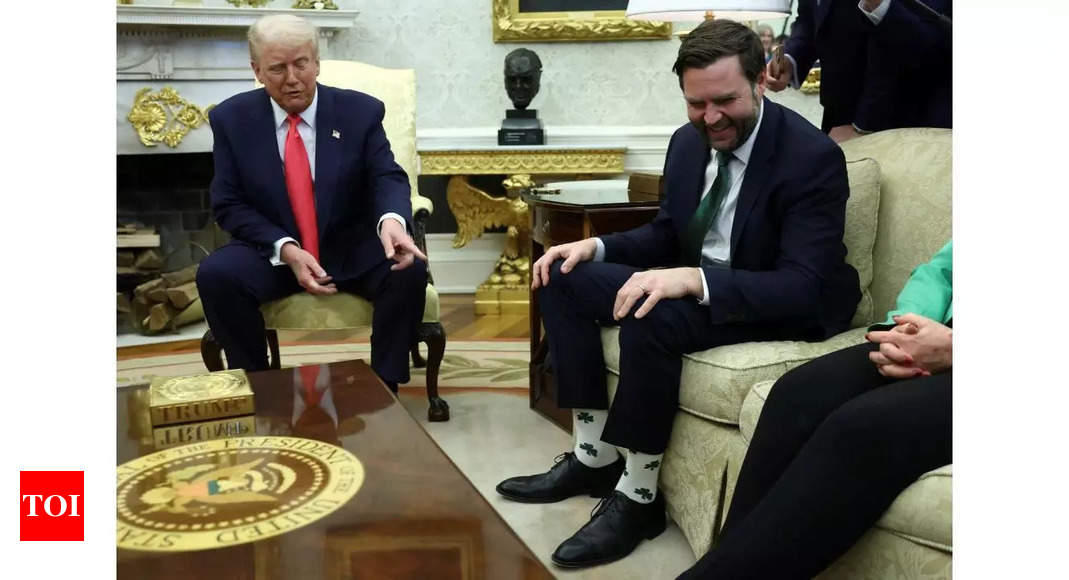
x=138, y=250
x=164, y=303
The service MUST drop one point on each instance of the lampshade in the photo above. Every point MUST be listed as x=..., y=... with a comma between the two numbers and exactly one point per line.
x=683, y=10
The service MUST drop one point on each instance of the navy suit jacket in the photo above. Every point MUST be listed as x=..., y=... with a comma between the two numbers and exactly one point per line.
x=356, y=178
x=881, y=77
x=788, y=270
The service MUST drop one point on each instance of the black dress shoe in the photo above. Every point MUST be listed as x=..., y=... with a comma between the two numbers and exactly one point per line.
x=616, y=528
x=567, y=478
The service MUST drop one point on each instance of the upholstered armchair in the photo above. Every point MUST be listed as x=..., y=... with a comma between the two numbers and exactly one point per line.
x=397, y=89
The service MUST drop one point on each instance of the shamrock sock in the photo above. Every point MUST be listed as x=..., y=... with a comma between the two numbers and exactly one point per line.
x=639, y=479
x=589, y=448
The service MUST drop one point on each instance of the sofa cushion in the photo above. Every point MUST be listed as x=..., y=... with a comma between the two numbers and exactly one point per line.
x=921, y=513
x=304, y=311
x=862, y=209
x=714, y=382
x=915, y=202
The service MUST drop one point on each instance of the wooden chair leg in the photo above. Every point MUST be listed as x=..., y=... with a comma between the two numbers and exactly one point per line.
x=272, y=344
x=210, y=352
x=418, y=361
x=433, y=334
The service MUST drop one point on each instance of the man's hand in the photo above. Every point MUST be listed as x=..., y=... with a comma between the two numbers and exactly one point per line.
x=398, y=245
x=310, y=275
x=843, y=133
x=778, y=73
x=572, y=253
x=655, y=285
x=916, y=346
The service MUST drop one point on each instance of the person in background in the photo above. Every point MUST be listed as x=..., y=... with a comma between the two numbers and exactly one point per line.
x=884, y=63
x=840, y=437
x=764, y=32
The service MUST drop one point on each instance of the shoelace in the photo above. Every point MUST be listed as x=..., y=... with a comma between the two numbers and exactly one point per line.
x=604, y=505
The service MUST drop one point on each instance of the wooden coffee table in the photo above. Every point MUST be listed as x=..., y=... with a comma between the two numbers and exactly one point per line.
x=415, y=516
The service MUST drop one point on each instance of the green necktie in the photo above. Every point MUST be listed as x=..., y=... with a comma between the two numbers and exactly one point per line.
x=694, y=235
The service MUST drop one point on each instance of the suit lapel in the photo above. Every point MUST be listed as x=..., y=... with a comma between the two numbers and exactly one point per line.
x=328, y=155
x=265, y=145
x=757, y=170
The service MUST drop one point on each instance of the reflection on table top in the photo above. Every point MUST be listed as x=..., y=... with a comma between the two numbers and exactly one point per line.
x=416, y=515
x=598, y=192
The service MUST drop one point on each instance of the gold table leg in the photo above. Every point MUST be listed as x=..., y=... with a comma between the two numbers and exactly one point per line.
x=507, y=288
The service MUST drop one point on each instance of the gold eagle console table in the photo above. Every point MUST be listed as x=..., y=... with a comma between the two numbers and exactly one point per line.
x=506, y=290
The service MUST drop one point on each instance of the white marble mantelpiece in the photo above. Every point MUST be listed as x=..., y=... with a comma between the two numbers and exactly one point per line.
x=225, y=15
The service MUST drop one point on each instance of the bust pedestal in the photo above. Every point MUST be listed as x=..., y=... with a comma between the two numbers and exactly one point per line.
x=521, y=127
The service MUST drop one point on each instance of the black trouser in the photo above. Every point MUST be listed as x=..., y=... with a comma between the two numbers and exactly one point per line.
x=574, y=306
x=835, y=444
x=235, y=280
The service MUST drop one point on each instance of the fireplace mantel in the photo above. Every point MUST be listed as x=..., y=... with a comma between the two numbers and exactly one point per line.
x=200, y=52
x=226, y=16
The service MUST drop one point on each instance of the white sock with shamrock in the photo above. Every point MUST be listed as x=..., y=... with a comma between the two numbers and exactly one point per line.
x=639, y=479
x=589, y=448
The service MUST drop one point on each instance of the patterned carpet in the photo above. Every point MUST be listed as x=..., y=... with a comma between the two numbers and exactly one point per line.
x=478, y=364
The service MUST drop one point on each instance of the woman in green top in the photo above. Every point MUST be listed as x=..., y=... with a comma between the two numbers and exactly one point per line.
x=840, y=437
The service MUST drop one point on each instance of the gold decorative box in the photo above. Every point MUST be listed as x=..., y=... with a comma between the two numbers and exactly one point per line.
x=187, y=399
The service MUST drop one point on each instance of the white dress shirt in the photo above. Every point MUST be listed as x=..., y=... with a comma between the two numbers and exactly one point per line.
x=716, y=249
x=307, y=130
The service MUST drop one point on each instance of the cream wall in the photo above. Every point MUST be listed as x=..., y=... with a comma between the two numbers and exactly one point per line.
x=459, y=69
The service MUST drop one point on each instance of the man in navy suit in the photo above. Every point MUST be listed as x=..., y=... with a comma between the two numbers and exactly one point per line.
x=307, y=187
x=883, y=64
x=759, y=256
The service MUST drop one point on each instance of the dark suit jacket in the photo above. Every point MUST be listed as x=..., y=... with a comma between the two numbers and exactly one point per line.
x=881, y=77
x=919, y=72
x=788, y=268
x=356, y=177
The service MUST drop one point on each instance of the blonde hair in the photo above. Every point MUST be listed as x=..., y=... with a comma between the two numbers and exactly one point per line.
x=284, y=29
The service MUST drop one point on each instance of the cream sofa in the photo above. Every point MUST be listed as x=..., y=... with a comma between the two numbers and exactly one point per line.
x=897, y=217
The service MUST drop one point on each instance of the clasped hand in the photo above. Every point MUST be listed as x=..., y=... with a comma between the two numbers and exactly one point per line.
x=916, y=346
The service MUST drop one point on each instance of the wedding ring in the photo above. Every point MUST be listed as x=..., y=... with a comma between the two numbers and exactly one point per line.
x=643, y=288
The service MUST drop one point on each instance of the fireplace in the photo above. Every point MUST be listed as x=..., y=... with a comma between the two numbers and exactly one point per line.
x=170, y=193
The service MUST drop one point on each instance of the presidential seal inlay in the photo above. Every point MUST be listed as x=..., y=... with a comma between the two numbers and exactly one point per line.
x=232, y=491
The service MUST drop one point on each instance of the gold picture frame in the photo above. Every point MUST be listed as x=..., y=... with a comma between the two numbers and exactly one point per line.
x=513, y=25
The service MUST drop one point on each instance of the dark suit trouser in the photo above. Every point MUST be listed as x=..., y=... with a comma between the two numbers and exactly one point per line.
x=576, y=305
x=235, y=280
x=835, y=444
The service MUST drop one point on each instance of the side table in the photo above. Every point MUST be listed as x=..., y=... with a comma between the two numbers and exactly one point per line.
x=582, y=209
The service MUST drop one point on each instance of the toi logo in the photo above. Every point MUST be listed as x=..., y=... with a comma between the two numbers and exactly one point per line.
x=51, y=506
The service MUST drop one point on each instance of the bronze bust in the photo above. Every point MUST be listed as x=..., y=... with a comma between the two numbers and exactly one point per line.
x=523, y=73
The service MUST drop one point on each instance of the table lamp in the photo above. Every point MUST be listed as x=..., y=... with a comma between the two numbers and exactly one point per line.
x=684, y=10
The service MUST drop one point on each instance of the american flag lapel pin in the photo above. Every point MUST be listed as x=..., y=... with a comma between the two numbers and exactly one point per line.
x=336, y=134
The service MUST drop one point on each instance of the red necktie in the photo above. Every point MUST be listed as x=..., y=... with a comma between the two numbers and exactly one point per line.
x=299, y=186
x=309, y=374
